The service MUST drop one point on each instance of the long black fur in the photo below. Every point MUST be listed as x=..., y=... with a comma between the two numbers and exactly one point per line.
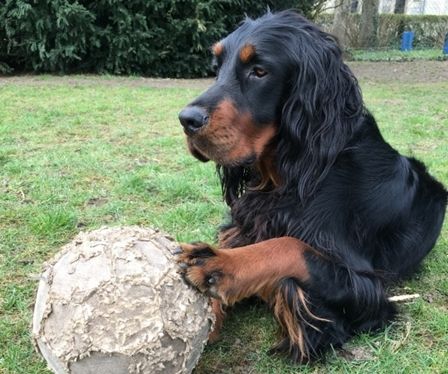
x=371, y=213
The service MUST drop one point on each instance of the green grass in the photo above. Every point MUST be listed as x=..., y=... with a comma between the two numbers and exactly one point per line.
x=76, y=156
x=397, y=55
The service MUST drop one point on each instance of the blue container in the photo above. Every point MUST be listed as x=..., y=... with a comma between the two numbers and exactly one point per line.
x=445, y=45
x=406, y=41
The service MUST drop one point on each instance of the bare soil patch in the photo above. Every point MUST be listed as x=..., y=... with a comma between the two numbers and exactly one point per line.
x=405, y=72
x=376, y=72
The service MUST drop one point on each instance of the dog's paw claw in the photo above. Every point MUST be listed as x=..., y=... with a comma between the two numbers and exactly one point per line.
x=177, y=251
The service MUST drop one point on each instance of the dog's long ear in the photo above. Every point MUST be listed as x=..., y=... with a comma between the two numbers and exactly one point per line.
x=322, y=106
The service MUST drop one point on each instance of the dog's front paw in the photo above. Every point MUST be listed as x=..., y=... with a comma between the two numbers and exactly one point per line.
x=204, y=268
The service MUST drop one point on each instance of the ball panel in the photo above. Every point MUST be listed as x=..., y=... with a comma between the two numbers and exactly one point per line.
x=98, y=363
x=53, y=362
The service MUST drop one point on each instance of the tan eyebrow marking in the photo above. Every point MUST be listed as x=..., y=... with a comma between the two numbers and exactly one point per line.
x=247, y=52
x=217, y=49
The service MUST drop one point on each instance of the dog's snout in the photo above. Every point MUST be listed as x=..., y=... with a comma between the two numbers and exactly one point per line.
x=193, y=118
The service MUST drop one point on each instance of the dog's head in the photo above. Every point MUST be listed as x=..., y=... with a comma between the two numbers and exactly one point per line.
x=280, y=85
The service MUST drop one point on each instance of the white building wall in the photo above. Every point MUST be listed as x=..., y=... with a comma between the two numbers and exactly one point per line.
x=414, y=7
x=386, y=6
x=435, y=7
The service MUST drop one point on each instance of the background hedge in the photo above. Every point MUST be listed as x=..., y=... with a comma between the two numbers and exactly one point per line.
x=168, y=38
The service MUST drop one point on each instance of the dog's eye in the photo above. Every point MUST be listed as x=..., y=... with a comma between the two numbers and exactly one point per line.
x=258, y=72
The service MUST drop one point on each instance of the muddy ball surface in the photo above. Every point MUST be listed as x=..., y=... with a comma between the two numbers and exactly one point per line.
x=112, y=301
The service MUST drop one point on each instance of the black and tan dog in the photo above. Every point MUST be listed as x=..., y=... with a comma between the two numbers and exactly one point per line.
x=324, y=212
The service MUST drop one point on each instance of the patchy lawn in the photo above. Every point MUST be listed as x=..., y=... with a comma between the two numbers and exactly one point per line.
x=397, y=55
x=80, y=152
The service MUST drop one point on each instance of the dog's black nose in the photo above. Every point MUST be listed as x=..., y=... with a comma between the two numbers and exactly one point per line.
x=193, y=118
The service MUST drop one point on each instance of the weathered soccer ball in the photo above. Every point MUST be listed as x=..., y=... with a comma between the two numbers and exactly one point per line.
x=113, y=302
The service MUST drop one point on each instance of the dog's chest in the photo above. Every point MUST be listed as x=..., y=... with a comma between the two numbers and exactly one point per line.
x=261, y=216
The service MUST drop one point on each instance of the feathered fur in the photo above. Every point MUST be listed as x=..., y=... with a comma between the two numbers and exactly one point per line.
x=370, y=214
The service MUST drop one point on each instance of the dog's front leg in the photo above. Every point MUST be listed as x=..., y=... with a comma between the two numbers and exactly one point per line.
x=231, y=275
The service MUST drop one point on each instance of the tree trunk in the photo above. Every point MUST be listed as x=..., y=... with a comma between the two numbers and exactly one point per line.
x=369, y=24
x=400, y=6
x=340, y=19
